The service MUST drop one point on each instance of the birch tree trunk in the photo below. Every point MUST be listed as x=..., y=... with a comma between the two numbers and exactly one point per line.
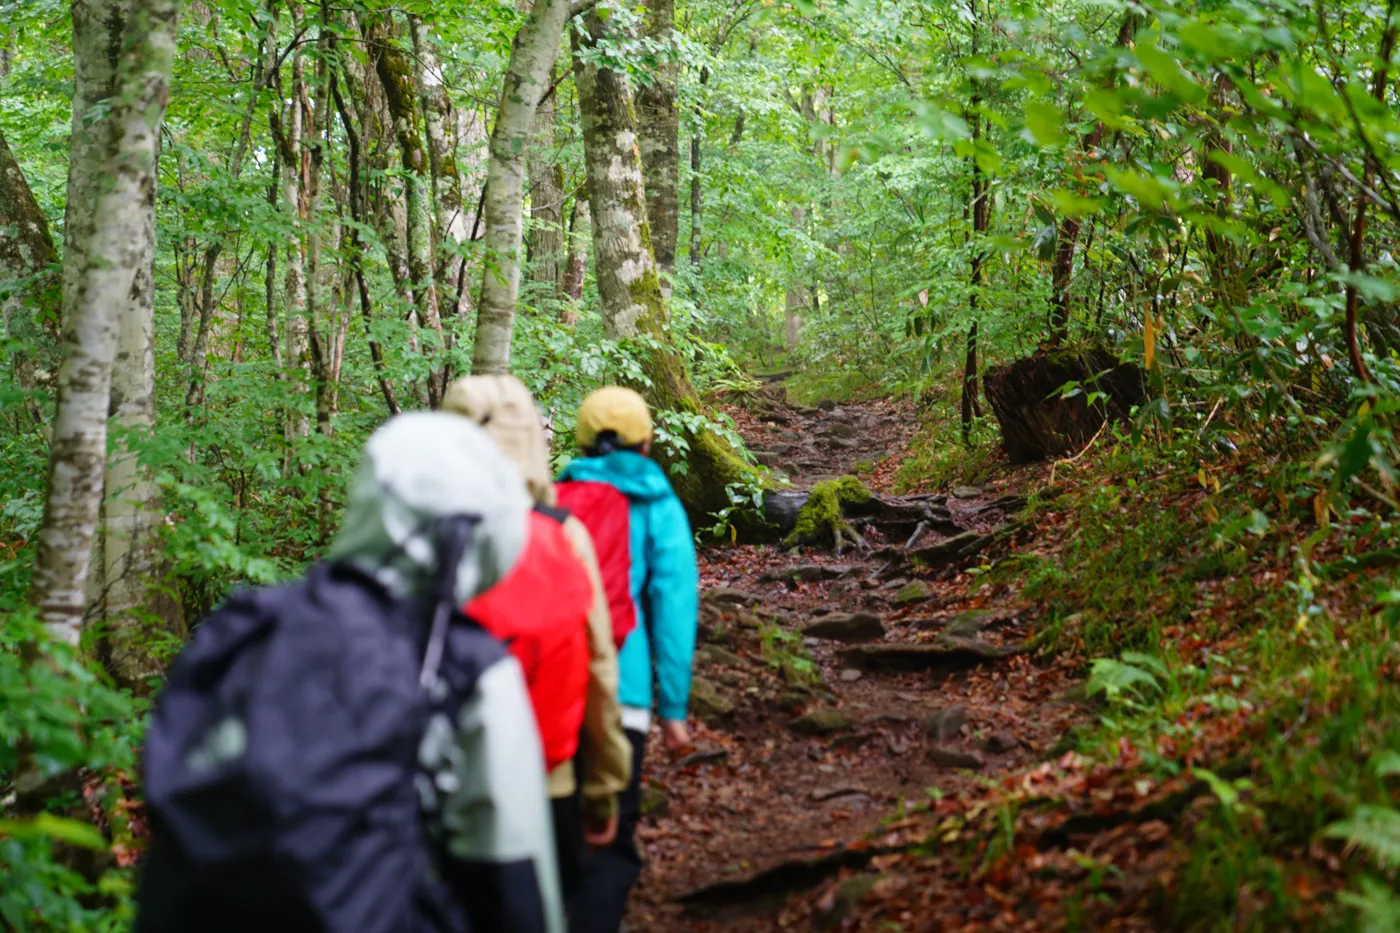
x=527, y=78
x=629, y=287
x=132, y=600
x=288, y=133
x=660, y=143
x=113, y=159
x=793, y=301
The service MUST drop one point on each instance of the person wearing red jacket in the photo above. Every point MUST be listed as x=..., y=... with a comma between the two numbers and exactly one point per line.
x=558, y=626
x=540, y=610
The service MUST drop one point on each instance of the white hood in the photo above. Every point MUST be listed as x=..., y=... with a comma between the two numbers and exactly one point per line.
x=423, y=466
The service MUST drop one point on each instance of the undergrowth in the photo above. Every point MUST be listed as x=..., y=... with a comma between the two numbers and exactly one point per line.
x=939, y=459
x=1223, y=649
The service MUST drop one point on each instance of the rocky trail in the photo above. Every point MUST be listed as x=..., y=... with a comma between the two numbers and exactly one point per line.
x=838, y=693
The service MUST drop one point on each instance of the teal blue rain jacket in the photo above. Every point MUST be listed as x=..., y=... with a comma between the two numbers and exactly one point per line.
x=665, y=581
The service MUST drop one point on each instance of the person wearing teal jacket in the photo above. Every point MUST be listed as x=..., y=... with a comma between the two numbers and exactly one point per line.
x=614, y=430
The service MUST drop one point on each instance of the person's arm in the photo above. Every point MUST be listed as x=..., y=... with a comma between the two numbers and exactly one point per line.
x=673, y=599
x=495, y=811
x=607, y=753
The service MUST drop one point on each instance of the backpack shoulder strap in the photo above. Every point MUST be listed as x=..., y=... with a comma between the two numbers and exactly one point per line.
x=560, y=515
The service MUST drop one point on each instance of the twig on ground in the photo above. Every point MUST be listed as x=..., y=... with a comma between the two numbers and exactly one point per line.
x=1070, y=460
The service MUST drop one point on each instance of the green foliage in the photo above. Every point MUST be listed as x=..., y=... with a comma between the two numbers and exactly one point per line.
x=1129, y=680
x=939, y=459
x=783, y=651
x=1374, y=830
x=72, y=719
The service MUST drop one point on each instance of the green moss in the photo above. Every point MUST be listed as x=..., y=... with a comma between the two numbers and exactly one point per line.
x=821, y=518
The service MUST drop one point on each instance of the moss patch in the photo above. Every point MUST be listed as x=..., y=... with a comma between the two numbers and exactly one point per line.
x=821, y=518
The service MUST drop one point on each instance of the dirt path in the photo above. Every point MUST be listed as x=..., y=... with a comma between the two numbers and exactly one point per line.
x=834, y=688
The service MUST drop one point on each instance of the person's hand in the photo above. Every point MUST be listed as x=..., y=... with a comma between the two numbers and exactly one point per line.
x=601, y=835
x=676, y=734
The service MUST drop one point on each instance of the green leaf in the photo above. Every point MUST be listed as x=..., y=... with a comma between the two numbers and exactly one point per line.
x=1225, y=792
x=1387, y=763
x=58, y=828
x=1373, y=829
x=1045, y=123
x=1165, y=71
x=1073, y=205
x=1114, y=678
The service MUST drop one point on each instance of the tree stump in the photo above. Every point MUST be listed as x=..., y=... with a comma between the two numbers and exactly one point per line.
x=1036, y=422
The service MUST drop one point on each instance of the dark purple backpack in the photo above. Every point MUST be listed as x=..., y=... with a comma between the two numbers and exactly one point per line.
x=281, y=770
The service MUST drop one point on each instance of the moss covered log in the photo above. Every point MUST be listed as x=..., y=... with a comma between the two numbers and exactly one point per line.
x=823, y=518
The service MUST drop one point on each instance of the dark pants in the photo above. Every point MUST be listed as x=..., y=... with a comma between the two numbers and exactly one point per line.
x=608, y=874
x=568, y=843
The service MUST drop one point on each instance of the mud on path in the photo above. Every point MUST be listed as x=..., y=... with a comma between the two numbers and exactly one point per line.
x=829, y=689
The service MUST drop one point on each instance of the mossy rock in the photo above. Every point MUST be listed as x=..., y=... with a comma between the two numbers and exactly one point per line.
x=822, y=518
x=822, y=721
x=915, y=592
x=707, y=703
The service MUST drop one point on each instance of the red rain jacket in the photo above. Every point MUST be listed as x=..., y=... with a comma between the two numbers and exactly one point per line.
x=540, y=611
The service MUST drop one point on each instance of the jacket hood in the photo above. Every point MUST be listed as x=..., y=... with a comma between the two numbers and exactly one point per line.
x=634, y=475
x=506, y=410
x=423, y=466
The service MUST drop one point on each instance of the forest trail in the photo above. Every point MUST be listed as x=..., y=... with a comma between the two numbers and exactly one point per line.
x=831, y=690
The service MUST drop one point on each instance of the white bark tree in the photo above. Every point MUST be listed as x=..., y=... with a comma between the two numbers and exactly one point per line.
x=527, y=79
x=629, y=286
x=112, y=169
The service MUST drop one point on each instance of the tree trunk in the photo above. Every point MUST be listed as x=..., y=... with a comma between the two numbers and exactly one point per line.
x=132, y=597
x=696, y=197
x=981, y=215
x=27, y=259
x=396, y=77
x=355, y=248
x=629, y=288
x=112, y=167
x=439, y=120
x=197, y=354
x=577, y=264
x=546, y=203
x=526, y=79
x=793, y=302
x=287, y=130
x=659, y=125
x=1062, y=269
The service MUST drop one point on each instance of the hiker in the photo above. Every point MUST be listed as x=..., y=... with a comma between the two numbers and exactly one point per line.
x=347, y=753
x=657, y=566
x=577, y=685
